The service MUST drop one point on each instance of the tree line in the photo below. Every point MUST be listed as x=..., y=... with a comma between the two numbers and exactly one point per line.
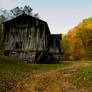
x=77, y=43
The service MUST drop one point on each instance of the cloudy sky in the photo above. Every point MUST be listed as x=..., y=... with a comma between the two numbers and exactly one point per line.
x=61, y=15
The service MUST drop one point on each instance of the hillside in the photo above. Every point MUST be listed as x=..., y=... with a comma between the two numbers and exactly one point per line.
x=77, y=43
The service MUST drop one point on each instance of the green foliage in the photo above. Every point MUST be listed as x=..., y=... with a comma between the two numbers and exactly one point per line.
x=89, y=55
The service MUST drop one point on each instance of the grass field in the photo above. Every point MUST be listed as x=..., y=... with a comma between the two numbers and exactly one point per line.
x=13, y=70
x=84, y=77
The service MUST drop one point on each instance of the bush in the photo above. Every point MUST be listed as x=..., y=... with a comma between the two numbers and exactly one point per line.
x=89, y=55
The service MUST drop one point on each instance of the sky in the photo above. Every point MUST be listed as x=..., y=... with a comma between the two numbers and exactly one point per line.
x=61, y=15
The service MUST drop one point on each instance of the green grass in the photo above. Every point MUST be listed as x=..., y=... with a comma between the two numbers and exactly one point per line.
x=84, y=77
x=13, y=70
x=8, y=64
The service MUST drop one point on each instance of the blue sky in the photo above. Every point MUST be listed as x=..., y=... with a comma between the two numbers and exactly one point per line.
x=61, y=15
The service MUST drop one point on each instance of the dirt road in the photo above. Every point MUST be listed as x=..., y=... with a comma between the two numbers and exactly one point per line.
x=58, y=80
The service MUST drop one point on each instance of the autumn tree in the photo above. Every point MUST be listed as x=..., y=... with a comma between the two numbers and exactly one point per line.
x=77, y=43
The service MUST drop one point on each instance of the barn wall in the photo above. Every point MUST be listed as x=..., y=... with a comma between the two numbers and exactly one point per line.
x=27, y=56
x=26, y=35
x=55, y=45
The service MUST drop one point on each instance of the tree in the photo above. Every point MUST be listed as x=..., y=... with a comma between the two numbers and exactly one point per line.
x=18, y=11
x=5, y=13
x=77, y=43
x=23, y=10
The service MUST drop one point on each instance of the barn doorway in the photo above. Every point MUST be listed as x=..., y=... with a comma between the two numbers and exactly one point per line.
x=18, y=45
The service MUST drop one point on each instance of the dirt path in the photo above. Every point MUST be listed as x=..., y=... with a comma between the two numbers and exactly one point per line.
x=53, y=81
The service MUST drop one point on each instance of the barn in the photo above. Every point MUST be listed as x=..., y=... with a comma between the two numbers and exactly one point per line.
x=28, y=38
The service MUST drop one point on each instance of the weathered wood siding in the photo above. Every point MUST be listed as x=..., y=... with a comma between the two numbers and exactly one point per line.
x=26, y=34
x=55, y=44
x=29, y=39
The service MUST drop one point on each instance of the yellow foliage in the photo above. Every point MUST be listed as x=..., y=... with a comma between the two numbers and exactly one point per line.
x=77, y=41
x=71, y=58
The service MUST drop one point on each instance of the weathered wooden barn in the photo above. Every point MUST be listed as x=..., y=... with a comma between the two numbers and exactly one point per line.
x=29, y=39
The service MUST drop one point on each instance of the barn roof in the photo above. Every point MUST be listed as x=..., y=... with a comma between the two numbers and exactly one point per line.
x=31, y=17
x=23, y=15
